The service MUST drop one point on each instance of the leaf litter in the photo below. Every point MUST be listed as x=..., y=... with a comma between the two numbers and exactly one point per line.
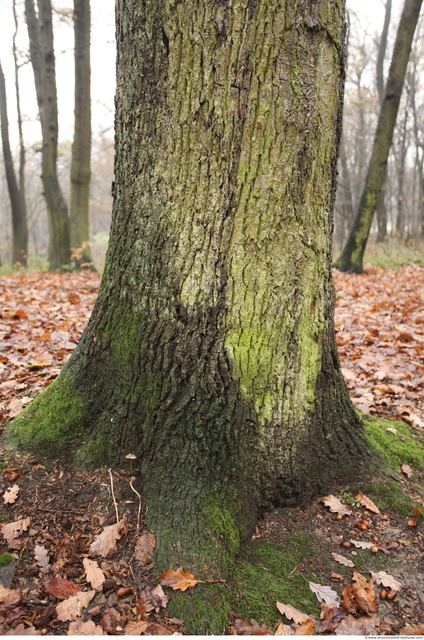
x=46, y=514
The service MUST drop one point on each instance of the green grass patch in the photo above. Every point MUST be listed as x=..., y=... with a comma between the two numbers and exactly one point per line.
x=391, y=495
x=5, y=559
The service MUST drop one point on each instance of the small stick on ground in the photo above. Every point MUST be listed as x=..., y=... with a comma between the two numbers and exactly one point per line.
x=113, y=495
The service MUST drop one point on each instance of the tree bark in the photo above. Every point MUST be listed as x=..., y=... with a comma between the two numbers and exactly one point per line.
x=351, y=258
x=81, y=149
x=19, y=221
x=40, y=31
x=211, y=352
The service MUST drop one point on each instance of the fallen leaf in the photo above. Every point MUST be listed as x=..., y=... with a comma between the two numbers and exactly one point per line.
x=14, y=407
x=244, y=629
x=325, y=594
x=61, y=588
x=136, y=628
x=367, y=503
x=80, y=628
x=155, y=629
x=283, y=630
x=72, y=608
x=406, y=469
x=414, y=521
x=111, y=620
x=360, y=596
x=336, y=506
x=336, y=576
x=14, y=529
x=178, y=579
x=105, y=542
x=11, y=494
x=363, y=544
x=342, y=560
x=21, y=630
x=144, y=548
x=386, y=580
x=307, y=628
x=42, y=557
x=356, y=627
x=291, y=613
x=94, y=574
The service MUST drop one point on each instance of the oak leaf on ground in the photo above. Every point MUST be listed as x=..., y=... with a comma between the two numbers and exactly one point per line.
x=93, y=573
x=324, y=593
x=243, y=628
x=362, y=544
x=21, y=630
x=136, y=628
x=81, y=628
x=178, y=579
x=360, y=596
x=105, y=542
x=72, y=608
x=11, y=494
x=144, y=548
x=336, y=506
x=42, y=557
x=406, y=469
x=367, y=503
x=342, y=560
x=283, y=630
x=291, y=613
x=307, y=628
x=13, y=530
x=386, y=580
x=356, y=626
x=61, y=588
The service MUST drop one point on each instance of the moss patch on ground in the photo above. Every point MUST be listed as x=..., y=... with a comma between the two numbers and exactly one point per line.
x=402, y=447
x=5, y=559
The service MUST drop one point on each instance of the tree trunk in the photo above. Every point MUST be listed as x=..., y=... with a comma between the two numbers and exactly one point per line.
x=401, y=162
x=40, y=31
x=81, y=149
x=352, y=255
x=19, y=221
x=211, y=352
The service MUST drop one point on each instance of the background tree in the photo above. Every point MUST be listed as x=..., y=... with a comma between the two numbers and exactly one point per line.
x=40, y=31
x=81, y=149
x=351, y=257
x=19, y=222
x=211, y=353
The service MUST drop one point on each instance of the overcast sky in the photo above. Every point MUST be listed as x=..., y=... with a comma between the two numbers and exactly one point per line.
x=369, y=12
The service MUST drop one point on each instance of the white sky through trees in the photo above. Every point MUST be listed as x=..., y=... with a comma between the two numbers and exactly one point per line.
x=370, y=14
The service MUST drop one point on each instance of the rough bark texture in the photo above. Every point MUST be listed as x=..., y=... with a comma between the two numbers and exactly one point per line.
x=211, y=353
x=19, y=221
x=40, y=31
x=81, y=149
x=352, y=255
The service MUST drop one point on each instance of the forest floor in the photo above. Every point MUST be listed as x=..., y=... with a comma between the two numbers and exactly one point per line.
x=348, y=564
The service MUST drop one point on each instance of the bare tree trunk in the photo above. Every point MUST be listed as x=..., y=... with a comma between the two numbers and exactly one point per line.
x=401, y=160
x=40, y=31
x=19, y=223
x=211, y=351
x=81, y=149
x=351, y=259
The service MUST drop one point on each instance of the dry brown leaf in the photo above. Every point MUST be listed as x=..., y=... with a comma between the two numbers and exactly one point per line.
x=105, y=542
x=360, y=596
x=61, y=588
x=245, y=629
x=4, y=592
x=362, y=544
x=81, y=628
x=307, y=628
x=336, y=506
x=356, y=627
x=367, y=503
x=386, y=580
x=144, y=548
x=283, y=630
x=291, y=613
x=178, y=579
x=11, y=494
x=94, y=574
x=14, y=407
x=406, y=469
x=136, y=628
x=325, y=594
x=14, y=529
x=72, y=608
x=336, y=576
x=21, y=630
x=414, y=521
x=342, y=560
x=155, y=629
x=42, y=557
